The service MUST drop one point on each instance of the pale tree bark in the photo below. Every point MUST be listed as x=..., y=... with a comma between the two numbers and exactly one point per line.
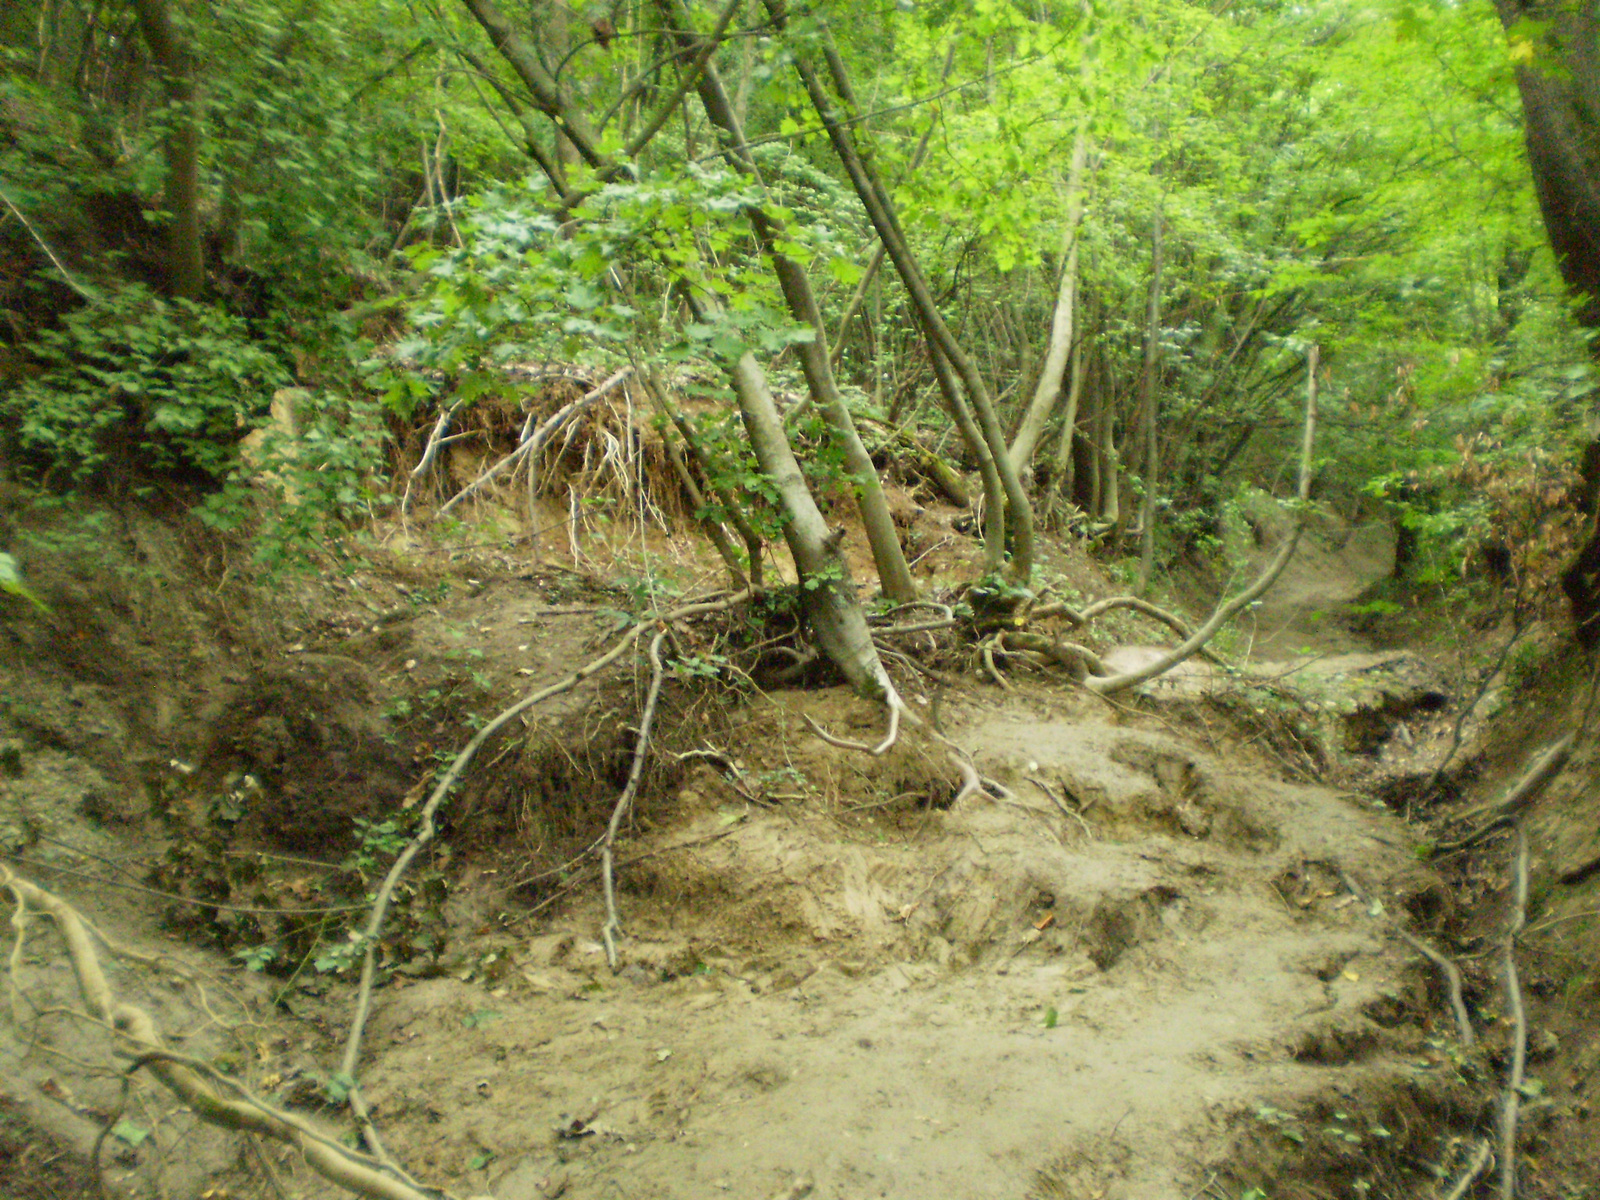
x=1065, y=480
x=826, y=588
x=825, y=585
x=894, y=575
x=880, y=210
x=185, y=254
x=1059, y=351
x=876, y=263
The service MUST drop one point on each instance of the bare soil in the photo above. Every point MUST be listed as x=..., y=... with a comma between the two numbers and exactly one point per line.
x=1126, y=969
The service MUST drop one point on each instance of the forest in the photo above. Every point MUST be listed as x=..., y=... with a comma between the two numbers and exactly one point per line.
x=1086, y=251
x=861, y=353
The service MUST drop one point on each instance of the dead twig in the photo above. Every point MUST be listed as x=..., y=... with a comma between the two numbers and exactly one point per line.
x=608, y=931
x=1510, y=1105
x=1447, y=969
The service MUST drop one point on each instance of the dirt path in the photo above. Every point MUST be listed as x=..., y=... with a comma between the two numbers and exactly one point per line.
x=965, y=1003
x=1126, y=971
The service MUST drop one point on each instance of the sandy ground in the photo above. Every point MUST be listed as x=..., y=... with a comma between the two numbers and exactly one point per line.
x=1099, y=978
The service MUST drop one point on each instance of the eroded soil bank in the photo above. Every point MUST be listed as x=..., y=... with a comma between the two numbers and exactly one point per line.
x=1131, y=966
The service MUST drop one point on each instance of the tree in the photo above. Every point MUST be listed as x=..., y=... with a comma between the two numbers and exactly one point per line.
x=1556, y=47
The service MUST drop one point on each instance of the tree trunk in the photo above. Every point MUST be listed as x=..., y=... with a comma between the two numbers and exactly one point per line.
x=1561, y=110
x=826, y=588
x=1561, y=114
x=825, y=585
x=1061, y=324
x=1147, y=390
x=1065, y=480
x=893, y=573
x=880, y=210
x=185, y=256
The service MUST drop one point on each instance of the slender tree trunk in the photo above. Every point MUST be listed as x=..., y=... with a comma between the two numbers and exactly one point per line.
x=893, y=573
x=1066, y=472
x=185, y=252
x=1147, y=395
x=880, y=210
x=826, y=589
x=1061, y=323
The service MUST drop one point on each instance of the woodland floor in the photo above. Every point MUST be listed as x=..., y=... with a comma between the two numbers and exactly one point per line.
x=1136, y=976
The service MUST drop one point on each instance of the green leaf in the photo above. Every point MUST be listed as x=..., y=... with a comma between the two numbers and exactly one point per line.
x=126, y=1131
x=11, y=583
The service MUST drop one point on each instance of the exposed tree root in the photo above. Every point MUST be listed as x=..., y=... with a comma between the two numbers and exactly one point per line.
x=1091, y=671
x=895, y=705
x=426, y=827
x=1510, y=1103
x=197, y=1085
x=1447, y=969
x=531, y=444
x=609, y=930
x=430, y=451
x=1535, y=779
x=1480, y=1160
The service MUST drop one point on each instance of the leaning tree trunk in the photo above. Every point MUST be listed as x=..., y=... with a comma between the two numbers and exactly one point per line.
x=828, y=593
x=875, y=199
x=826, y=587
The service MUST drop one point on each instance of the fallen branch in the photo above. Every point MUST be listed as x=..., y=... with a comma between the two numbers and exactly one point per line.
x=608, y=931
x=1510, y=1105
x=192, y=1081
x=1447, y=969
x=1108, y=685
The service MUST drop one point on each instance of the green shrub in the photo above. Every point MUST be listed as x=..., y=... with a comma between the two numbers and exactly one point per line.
x=133, y=379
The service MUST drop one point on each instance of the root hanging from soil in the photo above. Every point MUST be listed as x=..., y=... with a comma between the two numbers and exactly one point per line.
x=1510, y=1103
x=1448, y=970
x=426, y=826
x=193, y=1082
x=608, y=932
